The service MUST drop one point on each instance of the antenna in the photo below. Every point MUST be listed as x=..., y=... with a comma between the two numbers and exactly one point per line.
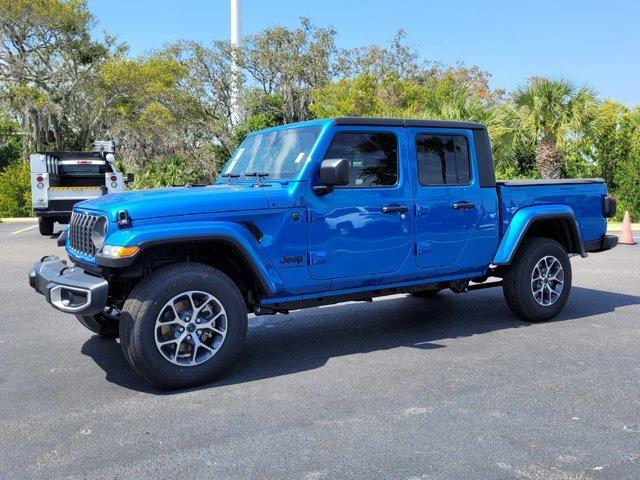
x=235, y=69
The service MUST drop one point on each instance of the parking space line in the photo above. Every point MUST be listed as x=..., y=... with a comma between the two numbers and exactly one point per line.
x=24, y=229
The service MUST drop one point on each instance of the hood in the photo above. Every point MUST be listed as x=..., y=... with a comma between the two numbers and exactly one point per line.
x=166, y=202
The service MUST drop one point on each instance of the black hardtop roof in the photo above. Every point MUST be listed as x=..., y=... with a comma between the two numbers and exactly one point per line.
x=407, y=122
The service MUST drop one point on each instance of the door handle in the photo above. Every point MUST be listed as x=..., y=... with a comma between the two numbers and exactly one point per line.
x=395, y=209
x=464, y=205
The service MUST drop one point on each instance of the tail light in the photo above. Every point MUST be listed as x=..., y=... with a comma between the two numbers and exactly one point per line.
x=610, y=206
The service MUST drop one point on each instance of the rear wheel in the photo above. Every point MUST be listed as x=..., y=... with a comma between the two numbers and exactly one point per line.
x=538, y=282
x=45, y=224
x=183, y=325
x=101, y=323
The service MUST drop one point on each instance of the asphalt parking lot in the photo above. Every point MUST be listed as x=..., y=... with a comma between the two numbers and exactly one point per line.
x=454, y=387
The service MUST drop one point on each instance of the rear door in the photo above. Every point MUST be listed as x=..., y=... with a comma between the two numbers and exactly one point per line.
x=363, y=228
x=447, y=195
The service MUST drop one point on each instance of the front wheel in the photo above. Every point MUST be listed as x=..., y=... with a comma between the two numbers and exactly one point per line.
x=183, y=325
x=538, y=282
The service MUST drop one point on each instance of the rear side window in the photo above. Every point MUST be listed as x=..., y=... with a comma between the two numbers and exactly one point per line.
x=372, y=157
x=442, y=159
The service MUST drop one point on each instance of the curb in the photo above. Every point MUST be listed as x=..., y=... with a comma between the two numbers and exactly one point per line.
x=18, y=219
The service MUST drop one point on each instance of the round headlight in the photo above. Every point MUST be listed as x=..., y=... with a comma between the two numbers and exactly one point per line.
x=99, y=232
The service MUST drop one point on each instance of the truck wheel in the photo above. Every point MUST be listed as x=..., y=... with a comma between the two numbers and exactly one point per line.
x=426, y=293
x=538, y=282
x=45, y=226
x=101, y=324
x=182, y=325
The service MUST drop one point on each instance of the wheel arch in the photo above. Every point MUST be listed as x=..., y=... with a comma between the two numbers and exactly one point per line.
x=229, y=247
x=556, y=222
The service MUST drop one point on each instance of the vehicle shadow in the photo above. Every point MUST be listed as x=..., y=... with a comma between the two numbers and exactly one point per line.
x=307, y=339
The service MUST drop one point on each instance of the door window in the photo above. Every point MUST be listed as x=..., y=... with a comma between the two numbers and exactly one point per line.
x=372, y=157
x=442, y=159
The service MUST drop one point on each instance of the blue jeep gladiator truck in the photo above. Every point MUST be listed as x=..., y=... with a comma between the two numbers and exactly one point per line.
x=315, y=213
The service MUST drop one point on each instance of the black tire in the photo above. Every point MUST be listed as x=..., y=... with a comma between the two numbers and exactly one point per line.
x=138, y=317
x=517, y=286
x=45, y=225
x=101, y=324
x=426, y=293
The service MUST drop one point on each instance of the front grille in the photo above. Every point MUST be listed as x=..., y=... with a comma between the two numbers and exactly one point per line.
x=80, y=229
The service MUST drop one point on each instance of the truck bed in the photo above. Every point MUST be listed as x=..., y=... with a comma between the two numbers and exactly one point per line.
x=584, y=196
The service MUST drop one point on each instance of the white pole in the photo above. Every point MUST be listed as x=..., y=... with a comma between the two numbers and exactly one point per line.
x=235, y=69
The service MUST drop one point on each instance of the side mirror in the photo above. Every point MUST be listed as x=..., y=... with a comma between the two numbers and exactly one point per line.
x=333, y=171
x=130, y=177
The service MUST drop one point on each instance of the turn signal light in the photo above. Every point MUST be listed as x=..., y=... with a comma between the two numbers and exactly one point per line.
x=119, y=252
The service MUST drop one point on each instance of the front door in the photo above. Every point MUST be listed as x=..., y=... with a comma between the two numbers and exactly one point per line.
x=447, y=198
x=363, y=228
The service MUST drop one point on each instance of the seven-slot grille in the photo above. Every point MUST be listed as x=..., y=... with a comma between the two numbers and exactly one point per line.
x=80, y=229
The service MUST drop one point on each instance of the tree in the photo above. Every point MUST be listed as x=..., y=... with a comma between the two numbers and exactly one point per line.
x=47, y=65
x=627, y=173
x=147, y=112
x=289, y=64
x=15, y=190
x=438, y=97
x=10, y=142
x=547, y=112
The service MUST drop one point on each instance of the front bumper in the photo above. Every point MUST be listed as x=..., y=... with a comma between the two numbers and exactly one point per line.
x=68, y=289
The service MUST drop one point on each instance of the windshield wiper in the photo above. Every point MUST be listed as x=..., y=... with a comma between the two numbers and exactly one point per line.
x=259, y=176
x=230, y=176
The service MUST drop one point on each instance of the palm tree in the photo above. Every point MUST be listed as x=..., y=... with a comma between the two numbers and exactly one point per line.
x=547, y=112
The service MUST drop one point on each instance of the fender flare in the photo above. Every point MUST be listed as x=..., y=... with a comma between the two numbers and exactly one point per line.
x=236, y=235
x=522, y=221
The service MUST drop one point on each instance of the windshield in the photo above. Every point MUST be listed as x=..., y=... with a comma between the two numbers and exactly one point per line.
x=280, y=154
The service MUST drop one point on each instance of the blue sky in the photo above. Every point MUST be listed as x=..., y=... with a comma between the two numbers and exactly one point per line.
x=596, y=42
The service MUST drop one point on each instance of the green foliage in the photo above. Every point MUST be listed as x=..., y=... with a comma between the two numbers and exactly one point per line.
x=15, y=190
x=166, y=171
x=627, y=172
x=546, y=113
x=367, y=95
x=43, y=17
x=10, y=144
